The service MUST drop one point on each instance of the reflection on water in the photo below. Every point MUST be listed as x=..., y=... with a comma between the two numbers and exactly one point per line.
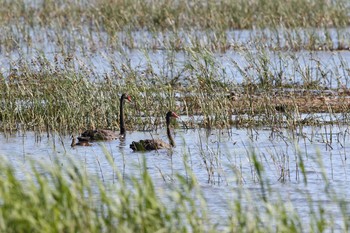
x=221, y=160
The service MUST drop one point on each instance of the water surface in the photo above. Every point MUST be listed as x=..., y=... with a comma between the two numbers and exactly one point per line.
x=221, y=160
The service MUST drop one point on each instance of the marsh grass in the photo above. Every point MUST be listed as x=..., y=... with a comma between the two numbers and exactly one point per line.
x=117, y=15
x=67, y=96
x=60, y=197
x=61, y=91
x=315, y=25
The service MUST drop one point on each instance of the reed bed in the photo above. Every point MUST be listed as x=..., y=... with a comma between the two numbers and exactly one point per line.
x=68, y=96
x=64, y=199
x=215, y=25
x=221, y=15
x=61, y=197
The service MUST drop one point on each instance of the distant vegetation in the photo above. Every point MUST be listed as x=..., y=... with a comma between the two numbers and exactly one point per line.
x=181, y=14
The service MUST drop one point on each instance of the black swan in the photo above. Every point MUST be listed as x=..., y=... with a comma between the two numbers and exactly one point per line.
x=80, y=143
x=155, y=144
x=105, y=134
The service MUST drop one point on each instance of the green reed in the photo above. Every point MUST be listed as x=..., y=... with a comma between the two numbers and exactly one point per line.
x=66, y=95
x=60, y=197
x=171, y=25
x=64, y=199
x=159, y=15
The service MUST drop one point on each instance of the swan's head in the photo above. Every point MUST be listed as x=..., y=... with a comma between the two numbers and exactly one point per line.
x=126, y=96
x=171, y=114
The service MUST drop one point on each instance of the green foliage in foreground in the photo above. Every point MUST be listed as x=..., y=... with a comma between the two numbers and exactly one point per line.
x=60, y=198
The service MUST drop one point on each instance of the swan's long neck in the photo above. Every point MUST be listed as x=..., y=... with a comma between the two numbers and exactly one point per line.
x=121, y=119
x=73, y=142
x=171, y=140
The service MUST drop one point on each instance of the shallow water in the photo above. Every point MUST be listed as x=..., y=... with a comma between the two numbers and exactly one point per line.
x=89, y=52
x=227, y=153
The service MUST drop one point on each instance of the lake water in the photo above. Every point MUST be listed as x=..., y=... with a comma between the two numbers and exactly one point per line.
x=227, y=154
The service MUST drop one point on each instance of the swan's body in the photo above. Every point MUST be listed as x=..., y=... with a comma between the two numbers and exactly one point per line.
x=149, y=144
x=80, y=143
x=97, y=135
x=105, y=134
x=156, y=144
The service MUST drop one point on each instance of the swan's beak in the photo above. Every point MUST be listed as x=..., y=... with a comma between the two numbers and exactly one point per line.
x=173, y=114
x=129, y=98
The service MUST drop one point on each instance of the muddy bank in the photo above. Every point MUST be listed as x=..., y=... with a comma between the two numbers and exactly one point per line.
x=300, y=100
